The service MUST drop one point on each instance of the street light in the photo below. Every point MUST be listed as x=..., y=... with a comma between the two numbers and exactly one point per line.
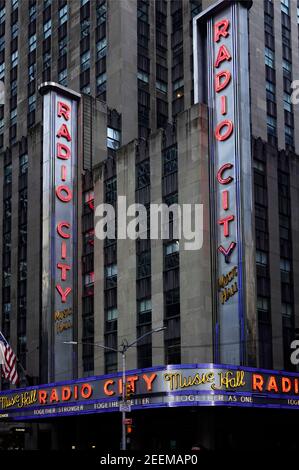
x=123, y=350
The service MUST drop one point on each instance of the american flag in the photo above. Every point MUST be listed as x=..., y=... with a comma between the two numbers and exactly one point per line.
x=8, y=361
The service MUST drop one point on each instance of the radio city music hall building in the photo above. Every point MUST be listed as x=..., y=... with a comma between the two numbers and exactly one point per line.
x=161, y=101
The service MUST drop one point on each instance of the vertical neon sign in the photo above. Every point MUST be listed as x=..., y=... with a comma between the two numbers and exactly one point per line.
x=60, y=156
x=225, y=48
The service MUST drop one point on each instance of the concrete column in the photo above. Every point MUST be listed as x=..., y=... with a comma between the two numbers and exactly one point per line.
x=193, y=188
x=279, y=75
x=257, y=62
x=274, y=258
x=155, y=146
x=126, y=256
x=34, y=249
x=122, y=65
x=294, y=190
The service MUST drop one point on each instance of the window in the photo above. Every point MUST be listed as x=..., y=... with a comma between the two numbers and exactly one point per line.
x=14, y=30
x=14, y=4
x=47, y=60
x=85, y=25
x=31, y=103
x=23, y=164
x=32, y=13
x=101, y=47
x=47, y=3
x=83, y=2
x=144, y=305
x=13, y=116
x=144, y=309
x=63, y=15
x=286, y=65
x=172, y=247
x=101, y=83
x=85, y=61
x=285, y=6
x=271, y=125
x=289, y=135
x=113, y=138
x=101, y=13
x=62, y=46
x=2, y=70
x=31, y=72
x=111, y=271
x=8, y=180
x=13, y=88
x=32, y=42
x=2, y=15
x=178, y=84
x=2, y=43
x=86, y=89
x=285, y=265
x=286, y=309
x=287, y=104
x=161, y=86
x=62, y=77
x=47, y=29
x=172, y=303
x=14, y=59
x=269, y=57
x=143, y=76
x=88, y=279
x=170, y=160
x=261, y=258
x=270, y=90
x=112, y=314
x=262, y=303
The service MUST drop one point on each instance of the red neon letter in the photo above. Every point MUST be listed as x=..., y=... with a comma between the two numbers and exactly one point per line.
x=223, y=54
x=63, y=250
x=106, y=389
x=227, y=133
x=272, y=385
x=286, y=385
x=64, y=132
x=219, y=83
x=225, y=223
x=66, y=393
x=220, y=29
x=64, y=269
x=149, y=381
x=223, y=105
x=63, y=151
x=229, y=179
x=257, y=382
x=64, y=110
x=42, y=397
x=60, y=232
x=227, y=252
x=59, y=193
x=225, y=200
x=63, y=293
x=86, y=391
x=54, y=395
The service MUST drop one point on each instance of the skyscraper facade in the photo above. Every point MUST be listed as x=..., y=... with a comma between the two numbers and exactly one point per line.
x=125, y=71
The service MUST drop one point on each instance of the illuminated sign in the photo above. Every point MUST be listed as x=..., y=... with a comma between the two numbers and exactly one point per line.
x=170, y=386
x=230, y=171
x=59, y=226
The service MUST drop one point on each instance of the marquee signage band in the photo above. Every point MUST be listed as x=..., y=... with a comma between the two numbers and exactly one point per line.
x=59, y=225
x=230, y=160
x=170, y=386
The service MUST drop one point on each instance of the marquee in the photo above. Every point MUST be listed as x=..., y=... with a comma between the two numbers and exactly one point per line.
x=156, y=387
